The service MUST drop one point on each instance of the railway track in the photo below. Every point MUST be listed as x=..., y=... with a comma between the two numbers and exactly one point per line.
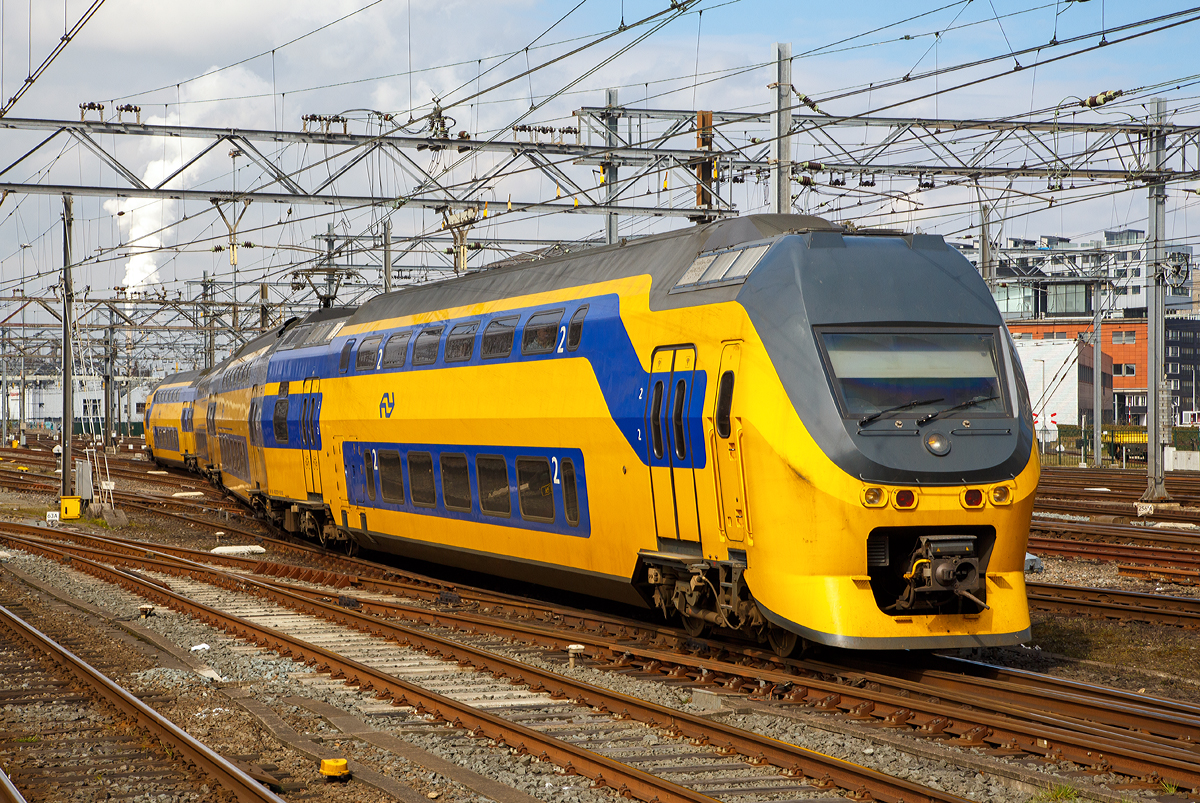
x=66, y=726
x=1115, y=604
x=1051, y=724
x=585, y=729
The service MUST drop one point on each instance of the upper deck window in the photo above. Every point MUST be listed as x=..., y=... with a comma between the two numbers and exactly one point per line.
x=719, y=268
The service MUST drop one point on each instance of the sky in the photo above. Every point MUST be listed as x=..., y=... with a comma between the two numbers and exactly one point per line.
x=265, y=64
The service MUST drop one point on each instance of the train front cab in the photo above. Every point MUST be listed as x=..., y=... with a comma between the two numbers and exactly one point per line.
x=166, y=423
x=889, y=506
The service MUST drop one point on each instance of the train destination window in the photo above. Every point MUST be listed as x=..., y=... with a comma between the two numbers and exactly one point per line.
x=456, y=484
x=420, y=479
x=570, y=493
x=656, y=439
x=425, y=350
x=344, y=363
x=391, y=478
x=724, y=404
x=460, y=344
x=395, y=350
x=369, y=472
x=491, y=474
x=575, y=329
x=927, y=372
x=279, y=420
x=677, y=419
x=498, y=337
x=540, y=331
x=367, y=353
x=535, y=488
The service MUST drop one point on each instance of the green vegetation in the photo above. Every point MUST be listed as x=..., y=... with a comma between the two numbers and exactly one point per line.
x=29, y=739
x=1056, y=793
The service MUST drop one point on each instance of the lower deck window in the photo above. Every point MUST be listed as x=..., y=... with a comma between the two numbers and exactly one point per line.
x=391, y=478
x=536, y=489
x=456, y=484
x=570, y=493
x=420, y=479
x=491, y=474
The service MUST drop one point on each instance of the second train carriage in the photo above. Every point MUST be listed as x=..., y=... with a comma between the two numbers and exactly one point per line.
x=766, y=424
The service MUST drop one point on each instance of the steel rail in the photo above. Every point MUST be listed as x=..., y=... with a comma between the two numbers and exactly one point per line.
x=1057, y=709
x=8, y=791
x=1088, y=747
x=796, y=762
x=1119, y=533
x=1089, y=550
x=1182, y=576
x=1107, y=602
x=223, y=773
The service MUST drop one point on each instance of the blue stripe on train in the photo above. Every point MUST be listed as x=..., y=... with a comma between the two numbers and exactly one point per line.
x=356, y=475
x=604, y=343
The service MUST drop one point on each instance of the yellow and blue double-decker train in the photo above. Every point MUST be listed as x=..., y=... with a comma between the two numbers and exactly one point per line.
x=769, y=424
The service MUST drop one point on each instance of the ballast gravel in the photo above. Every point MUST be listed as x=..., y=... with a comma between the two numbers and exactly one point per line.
x=272, y=681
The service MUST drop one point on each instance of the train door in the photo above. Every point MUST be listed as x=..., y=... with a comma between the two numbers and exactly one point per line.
x=727, y=452
x=256, y=440
x=310, y=435
x=669, y=452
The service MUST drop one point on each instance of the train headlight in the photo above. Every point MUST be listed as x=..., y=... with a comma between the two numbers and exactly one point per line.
x=904, y=499
x=874, y=497
x=937, y=443
x=972, y=497
x=1001, y=495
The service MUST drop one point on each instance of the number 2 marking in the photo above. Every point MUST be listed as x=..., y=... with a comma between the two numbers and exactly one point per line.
x=555, y=461
x=562, y=336
x=641, y=393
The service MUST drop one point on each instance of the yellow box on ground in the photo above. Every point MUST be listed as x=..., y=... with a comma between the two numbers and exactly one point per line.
x=69, y=507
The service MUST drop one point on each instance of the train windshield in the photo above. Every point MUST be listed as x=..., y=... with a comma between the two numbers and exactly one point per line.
x=915, y=373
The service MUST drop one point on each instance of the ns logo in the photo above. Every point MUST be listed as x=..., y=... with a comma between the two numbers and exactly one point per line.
x=386, y=405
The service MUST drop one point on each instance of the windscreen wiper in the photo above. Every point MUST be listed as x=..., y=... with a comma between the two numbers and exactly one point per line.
x=866, y=419
x=968, y=403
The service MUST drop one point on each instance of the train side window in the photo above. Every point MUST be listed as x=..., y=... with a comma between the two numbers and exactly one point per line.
x=656, y=436
x=279, y=420
x=369, y=472
x=396, y=350
x=456, y=484
x=391, y=478
x=460, y=344
x=575, y=329
x=367, y=353
x=570, y=492
x=283, y=389
x=498, y=338
x=535, y=488
x=677, y=419
x=491, y=475
x=420, y=479
x=304, y=422
x=425, y=350
x=724, y=404
x=344, y=362
x=540, y=331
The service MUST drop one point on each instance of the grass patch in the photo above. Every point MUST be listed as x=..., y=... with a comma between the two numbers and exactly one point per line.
x=29, y=739
x=1056, y=793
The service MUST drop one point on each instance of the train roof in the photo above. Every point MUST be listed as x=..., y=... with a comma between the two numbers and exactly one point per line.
x=664, y=256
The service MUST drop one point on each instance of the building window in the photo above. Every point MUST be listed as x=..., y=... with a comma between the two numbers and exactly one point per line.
x=1172, y=351
x=1172, y=368
x=1172, y=334
x=1124, y=337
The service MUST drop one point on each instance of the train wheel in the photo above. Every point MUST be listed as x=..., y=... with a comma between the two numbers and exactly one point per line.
x=351, y=547
x=694, y=626
x=783, y=642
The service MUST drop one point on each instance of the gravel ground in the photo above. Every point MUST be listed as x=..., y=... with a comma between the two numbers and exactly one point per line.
x=1156, y=660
